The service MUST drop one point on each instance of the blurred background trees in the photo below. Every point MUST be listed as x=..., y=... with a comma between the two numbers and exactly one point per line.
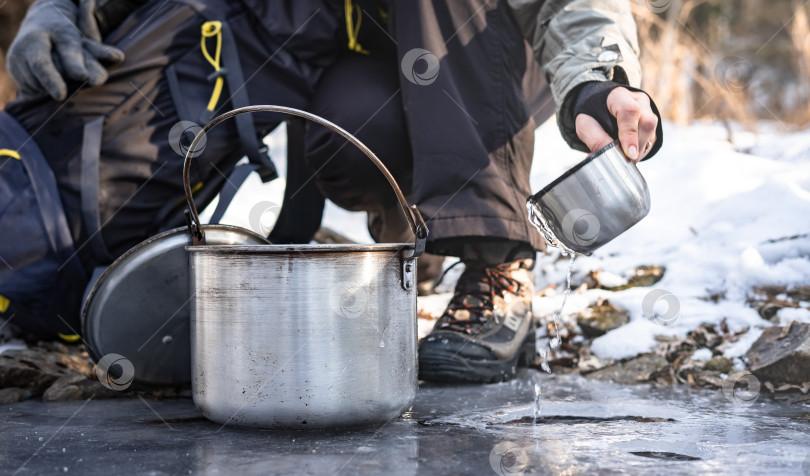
x=741, y=60
x=732, y=60
x=11, y=14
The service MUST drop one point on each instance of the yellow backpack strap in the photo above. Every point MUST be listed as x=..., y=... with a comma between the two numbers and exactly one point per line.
x=351, y=29
x=10, y=153
x=213, y=29
x=70, y=338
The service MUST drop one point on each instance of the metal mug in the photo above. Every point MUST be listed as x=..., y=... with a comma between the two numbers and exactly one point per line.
x=592, y=203
x=303, y=336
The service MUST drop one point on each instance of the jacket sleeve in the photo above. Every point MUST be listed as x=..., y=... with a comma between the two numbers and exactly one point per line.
x=579, y=41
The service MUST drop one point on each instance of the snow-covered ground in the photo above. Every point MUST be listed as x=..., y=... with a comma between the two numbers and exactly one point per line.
x=719, y=223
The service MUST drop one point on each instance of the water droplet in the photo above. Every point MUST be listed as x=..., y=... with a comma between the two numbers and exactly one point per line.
x=445, y=341
x=166, y=339
x=556, y=341
x=537, y=393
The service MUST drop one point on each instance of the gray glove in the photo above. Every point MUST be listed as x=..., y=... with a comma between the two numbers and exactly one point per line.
x=57, y=42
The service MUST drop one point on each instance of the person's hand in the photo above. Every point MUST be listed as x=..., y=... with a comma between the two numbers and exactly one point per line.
x=50, y=49
x=631, y=113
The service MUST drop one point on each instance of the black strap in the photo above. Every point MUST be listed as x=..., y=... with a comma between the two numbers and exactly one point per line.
x=235, y=180
x=91, y=151
x=302, y=209
x=255, y=150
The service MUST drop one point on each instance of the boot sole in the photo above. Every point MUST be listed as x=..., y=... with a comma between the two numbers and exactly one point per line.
x=446, y=364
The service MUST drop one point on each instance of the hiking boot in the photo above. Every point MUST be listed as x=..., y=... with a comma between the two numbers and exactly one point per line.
x=487, y=327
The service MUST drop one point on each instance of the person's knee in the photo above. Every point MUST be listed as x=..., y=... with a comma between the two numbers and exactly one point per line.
x=346, y=175
x=343, y=173
x=360, y=94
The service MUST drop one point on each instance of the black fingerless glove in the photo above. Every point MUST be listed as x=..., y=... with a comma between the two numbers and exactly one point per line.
x=592, y=100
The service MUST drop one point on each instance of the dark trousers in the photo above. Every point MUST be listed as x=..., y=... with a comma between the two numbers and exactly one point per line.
x=460, y=142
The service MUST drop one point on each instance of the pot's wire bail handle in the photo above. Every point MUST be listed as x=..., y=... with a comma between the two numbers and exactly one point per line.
x=412, y=215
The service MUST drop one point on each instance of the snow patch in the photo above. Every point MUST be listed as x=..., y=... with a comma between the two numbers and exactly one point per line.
x=787, y=315
x=627, y=341
x=702, y=354
x=739, y=348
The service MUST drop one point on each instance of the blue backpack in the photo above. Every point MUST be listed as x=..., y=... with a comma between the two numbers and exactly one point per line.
x=40, y=272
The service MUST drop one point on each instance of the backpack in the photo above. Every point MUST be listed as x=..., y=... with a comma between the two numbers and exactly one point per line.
x=101, y=171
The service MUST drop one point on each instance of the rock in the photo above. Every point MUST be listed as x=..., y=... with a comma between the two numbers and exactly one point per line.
x=588, y=362
x=59, y=373
x=640, y=276
x=664, y=375
x=14, y=394
x=677, y=350
x=77, y=387
x=602, y=317
x=720, y=364
x=800, y=293
x=769, y=300
x=64, y=389
x=707, y=378
x=769, y=310
x=781, y=355
x=706, y=335
x=694, y=374
x=37, y=368
x=634, y=371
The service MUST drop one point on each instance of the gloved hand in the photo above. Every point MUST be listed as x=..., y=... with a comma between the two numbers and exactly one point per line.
x=59, y=41
x=606, y=111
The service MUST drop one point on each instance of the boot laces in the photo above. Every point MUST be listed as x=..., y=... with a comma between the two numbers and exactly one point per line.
x=480, y=283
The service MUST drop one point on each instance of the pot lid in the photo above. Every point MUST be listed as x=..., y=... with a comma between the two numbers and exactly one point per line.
x=139, y=307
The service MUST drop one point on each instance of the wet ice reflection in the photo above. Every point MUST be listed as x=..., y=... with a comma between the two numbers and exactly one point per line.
x=582, y=427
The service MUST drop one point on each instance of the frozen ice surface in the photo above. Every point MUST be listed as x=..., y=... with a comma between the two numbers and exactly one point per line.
x=583, y=427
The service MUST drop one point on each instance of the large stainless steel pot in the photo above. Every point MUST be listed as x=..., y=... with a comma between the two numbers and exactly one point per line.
x=592, y=203
x=303, y=336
